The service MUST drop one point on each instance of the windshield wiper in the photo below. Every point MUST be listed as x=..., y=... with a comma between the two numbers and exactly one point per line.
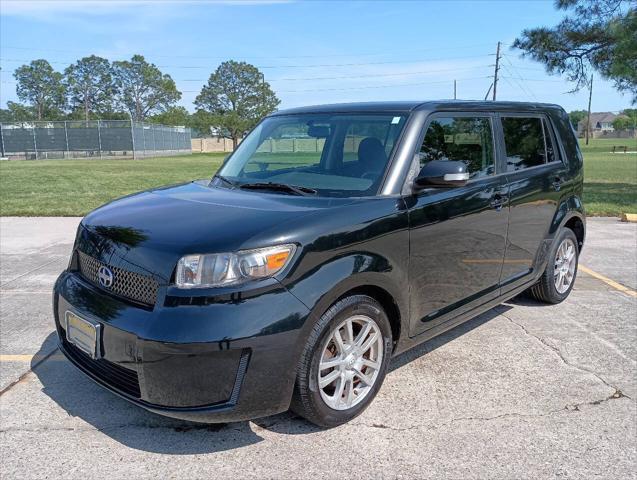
x=283, y=187
x=225, y=180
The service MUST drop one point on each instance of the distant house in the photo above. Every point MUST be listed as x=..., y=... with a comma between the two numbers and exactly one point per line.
x=601, y=125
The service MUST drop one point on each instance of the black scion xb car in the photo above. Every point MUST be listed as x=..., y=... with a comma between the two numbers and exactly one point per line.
x=332, y=239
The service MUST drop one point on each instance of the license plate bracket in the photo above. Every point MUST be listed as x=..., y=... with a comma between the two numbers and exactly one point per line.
x=83, y=334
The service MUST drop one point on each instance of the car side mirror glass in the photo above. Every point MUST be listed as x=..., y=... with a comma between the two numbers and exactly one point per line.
x=442, y=173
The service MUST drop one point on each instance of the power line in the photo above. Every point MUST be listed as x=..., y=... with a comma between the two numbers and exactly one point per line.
x=357, y=88
x=542, y=80
x=533, y=69
x=354, y=64
x=402, y=74
x=506, y=79
x=421, y=72
x=218, y=57
x=522, y=85
x=372, y=75
x=379, y=86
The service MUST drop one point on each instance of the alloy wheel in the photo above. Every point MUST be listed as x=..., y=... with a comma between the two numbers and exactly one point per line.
x=565, y=263
x=350, y=362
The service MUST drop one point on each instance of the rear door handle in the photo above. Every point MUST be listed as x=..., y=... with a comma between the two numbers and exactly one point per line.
x=557, y=183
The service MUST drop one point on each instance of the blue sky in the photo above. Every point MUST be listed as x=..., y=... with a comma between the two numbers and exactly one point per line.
x=310, y=52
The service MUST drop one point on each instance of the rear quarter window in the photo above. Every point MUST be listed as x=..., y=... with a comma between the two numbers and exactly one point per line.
x=525, y=144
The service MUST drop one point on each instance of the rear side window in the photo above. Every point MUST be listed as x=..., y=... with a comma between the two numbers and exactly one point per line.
x=525, y=143
x=464, y=139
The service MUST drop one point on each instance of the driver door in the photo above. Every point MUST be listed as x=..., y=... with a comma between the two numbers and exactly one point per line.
x=457, y=234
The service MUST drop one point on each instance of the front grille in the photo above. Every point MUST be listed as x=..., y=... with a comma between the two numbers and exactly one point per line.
x=120, y=378
x=134, y=286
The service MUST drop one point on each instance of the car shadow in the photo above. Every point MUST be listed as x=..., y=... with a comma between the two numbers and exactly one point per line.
x=129, y=424
x=137, y=428
x=429, y=346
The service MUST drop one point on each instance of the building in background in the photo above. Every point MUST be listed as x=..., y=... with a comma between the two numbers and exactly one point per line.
x=602, y=126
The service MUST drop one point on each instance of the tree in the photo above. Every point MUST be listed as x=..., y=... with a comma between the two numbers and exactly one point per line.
x=200, y=122
x=631, y=113
x=577, y=116
x=173, y=116
x=237, y=97
x=622, y=123
x=90, y=86
x=598, y=34
x=16, y=112
x=142, y=89
x=42, y=87
x=627, y=120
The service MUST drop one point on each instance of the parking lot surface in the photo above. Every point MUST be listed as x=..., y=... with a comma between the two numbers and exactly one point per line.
x=523, y=391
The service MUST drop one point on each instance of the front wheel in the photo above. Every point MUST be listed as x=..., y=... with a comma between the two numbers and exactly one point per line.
x=558, y=278
x=344, y=362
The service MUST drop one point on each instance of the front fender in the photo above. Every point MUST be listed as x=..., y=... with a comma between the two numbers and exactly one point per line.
x=320, y=287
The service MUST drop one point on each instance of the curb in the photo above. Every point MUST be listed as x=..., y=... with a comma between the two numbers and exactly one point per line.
x=629, y=217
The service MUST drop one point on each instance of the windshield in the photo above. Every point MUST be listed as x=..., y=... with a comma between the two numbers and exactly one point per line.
x=336, y=155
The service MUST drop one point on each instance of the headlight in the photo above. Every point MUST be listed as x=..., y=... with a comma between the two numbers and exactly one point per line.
x=221, y=269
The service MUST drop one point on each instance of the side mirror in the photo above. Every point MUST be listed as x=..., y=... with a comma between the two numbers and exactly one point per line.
x=442, y=173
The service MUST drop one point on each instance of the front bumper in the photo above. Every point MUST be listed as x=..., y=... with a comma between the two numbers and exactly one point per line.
x=208, y=359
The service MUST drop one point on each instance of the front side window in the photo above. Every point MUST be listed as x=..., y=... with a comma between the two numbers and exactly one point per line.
x=464, y=139
x=524, y=143
x=334, y=154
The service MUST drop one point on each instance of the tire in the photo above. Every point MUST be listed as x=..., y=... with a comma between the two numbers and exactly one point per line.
x=328, y=405
x=546, y=289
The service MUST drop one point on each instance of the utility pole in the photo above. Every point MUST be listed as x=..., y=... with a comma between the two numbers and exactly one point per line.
x=263, y=87
x=588, y=120
x=497, y=68
x=488, y=91
x=454, y=89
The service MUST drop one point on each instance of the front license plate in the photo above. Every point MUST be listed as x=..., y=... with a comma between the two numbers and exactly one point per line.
x=82, y=333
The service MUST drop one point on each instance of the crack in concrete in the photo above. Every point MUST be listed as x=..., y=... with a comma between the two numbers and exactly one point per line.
x=617, y=394
x=189, y=428
x=558, y=353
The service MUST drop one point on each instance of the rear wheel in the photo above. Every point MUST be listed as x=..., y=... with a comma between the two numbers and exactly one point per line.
x=558, y=279
x=344, y=362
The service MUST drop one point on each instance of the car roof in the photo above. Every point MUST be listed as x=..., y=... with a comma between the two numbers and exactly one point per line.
x=409, y=106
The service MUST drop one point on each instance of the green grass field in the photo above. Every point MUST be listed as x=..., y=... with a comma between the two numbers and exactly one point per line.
x=74, y=187
x=610, y=179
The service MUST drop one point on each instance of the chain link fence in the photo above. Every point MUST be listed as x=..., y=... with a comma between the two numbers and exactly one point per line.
x=93, y=139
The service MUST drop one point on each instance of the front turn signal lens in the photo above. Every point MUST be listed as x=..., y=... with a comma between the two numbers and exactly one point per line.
x=277, y=260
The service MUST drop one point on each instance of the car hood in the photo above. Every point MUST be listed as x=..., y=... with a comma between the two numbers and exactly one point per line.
x=148, y=232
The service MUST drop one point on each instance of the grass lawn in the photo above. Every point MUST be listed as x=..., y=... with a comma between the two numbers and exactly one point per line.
x=74, y=187
x=610, y=179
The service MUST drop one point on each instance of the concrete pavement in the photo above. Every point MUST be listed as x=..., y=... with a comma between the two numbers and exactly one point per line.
x=523, y=391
